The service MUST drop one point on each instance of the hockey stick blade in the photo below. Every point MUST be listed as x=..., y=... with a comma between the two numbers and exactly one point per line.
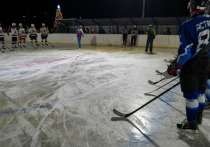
x=153, y=83
x=118, y=119
x=148, y=94
x=118, y=113
x=129, y=114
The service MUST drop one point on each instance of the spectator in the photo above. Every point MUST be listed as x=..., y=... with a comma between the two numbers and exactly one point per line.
x=87, y=31
x=94, y=31
x=134, y=33
x=140, y=31
x=168, y=32
x=125, y=34
x=151, y=32
x=101, y=30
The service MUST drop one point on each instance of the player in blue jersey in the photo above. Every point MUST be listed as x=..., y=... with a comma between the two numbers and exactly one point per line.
x=192, y=61
x=207, y=93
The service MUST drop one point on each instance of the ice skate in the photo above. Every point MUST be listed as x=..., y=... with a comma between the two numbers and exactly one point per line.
x=199, y=117
x=207, y=106
x=2, y=50
x=188, y=125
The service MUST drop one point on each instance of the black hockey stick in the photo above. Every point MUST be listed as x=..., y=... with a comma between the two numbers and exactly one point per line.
x=50, y=44
x=32, y=45
x=148, y=93
x=8, y=47
x=128, y=114
x=153, y=83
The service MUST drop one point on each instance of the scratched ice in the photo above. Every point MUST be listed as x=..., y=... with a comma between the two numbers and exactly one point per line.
x=65, y=97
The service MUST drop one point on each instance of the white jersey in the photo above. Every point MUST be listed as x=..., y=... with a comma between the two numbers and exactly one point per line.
x=32, y=31
x=43, y=31
x=22, y=32
x=1, y=32
x=14, y=31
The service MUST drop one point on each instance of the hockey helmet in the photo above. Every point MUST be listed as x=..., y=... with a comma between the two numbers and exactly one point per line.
x=20, y=24
x=13, y=24
x=197, y=5
x=150, y=25
x=32, y=25
x=43, y=24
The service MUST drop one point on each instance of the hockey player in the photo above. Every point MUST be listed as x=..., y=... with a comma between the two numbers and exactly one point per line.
x=33, y=34
x=2, y=38
x=79, y=33
x=21, y=35
x=192, y=61
x=44, y=34
x=14, y=33
x=207, y=93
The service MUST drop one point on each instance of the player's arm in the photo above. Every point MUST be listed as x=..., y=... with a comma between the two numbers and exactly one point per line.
x=184, y=52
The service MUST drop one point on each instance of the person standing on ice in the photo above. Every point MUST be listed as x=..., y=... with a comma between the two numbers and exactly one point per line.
x=14, y=33
x=134, y=33
x=151, y=33
x=21, y=35
x=191, y=63
x=33, y=34
x=79, y=33
x=2, y=37
x=207, y=92
x=44, y=34
x=125, y=35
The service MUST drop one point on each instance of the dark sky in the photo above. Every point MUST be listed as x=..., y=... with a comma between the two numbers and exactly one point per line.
x=44, y=10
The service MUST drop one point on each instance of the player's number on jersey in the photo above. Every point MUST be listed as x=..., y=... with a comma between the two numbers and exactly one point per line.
x=203, y=39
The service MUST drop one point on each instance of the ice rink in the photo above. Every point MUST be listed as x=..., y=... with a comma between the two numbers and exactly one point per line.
x=65, y=96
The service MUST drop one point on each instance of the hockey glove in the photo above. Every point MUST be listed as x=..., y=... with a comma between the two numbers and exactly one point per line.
x=172, y=68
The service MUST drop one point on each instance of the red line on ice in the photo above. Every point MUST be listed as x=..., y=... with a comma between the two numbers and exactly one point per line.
x=60, y=59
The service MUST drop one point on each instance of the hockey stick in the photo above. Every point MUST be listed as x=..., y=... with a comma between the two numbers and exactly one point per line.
x=51, y=44
x=8, y=47
x=160, y=73
x=148, y=93
x=153, y=83
x=32, y=45
x=128, y=114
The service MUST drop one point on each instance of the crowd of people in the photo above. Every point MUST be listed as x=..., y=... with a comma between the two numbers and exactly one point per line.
x=19, y=35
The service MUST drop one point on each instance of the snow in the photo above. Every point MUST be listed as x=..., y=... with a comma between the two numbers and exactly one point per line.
x=65, y=96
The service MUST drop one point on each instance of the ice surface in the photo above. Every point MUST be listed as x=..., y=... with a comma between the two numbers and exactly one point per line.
x=64, y=97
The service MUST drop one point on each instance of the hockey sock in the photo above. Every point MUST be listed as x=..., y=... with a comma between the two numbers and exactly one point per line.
x=191, y=109
x=207, y=92
x=202, y=102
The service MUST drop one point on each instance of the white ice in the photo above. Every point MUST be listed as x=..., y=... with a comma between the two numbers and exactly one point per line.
x=64, y=97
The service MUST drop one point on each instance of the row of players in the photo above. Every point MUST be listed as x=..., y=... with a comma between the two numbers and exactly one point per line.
x=20, y=34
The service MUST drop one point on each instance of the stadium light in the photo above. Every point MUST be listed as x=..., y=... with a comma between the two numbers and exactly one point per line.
x=58, y=7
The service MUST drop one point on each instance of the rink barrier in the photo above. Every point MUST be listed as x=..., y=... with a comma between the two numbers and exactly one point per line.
x=161, y=41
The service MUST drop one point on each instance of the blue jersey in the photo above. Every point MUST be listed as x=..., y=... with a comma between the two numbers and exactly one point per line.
x=194, y=35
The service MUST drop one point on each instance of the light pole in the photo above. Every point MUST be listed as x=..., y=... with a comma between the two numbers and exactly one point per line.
x=143, y=9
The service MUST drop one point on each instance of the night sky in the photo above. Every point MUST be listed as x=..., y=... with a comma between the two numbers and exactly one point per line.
x=44, y=10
